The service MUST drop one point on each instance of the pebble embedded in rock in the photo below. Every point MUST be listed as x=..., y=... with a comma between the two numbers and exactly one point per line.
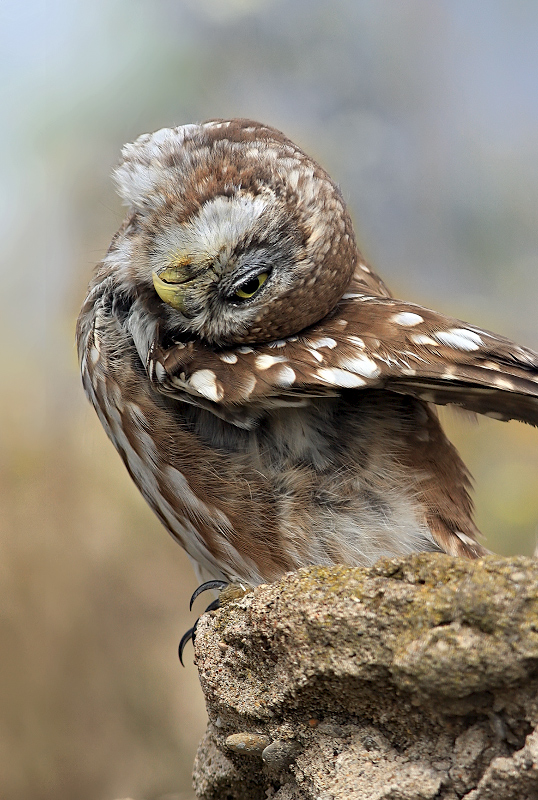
x=247, y=743
x=281, y=752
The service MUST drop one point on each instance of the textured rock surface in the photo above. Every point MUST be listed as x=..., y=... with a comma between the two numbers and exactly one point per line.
x=413, y=680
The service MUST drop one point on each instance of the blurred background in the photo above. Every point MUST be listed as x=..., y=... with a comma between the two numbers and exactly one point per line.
x=425, y=113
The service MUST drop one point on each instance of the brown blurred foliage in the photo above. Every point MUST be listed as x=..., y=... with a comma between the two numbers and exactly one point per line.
x=93, y=600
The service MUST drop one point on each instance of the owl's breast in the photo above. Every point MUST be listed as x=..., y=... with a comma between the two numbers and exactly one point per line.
x=314, y=484
x=330, y=478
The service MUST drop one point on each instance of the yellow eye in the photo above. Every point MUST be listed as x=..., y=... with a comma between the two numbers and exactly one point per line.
x=251, y=286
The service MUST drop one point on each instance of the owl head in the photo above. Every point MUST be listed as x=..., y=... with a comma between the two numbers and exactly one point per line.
x=235, y=236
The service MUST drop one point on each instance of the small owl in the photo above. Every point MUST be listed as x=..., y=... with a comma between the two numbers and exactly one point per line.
x=270, y=399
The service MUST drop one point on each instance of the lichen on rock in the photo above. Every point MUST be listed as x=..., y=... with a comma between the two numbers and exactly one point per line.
x=414, y=679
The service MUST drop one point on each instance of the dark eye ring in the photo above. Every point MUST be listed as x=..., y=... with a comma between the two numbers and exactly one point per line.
x=250, y=287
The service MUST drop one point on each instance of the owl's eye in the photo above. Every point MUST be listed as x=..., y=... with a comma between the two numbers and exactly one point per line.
x=250, y=287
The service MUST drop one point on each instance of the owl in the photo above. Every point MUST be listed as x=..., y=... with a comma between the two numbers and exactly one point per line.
x=272, y=401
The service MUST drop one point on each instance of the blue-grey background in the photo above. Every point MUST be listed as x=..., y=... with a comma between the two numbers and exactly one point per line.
x=426, y=113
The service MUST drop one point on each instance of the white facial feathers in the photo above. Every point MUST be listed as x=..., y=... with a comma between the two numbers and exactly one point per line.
x=220, y=224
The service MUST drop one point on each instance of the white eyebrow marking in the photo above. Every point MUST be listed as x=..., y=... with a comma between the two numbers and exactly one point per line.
x=407, y=319
x=205, y=383
x=339, y=377
x=459, y=339
x=219, y=222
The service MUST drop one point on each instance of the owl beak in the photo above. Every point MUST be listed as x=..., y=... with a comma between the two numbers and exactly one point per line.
x=173, y=285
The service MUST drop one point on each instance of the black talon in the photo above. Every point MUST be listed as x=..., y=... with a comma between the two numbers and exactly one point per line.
x=190, y=635
x=215, y=584
x=187, y=636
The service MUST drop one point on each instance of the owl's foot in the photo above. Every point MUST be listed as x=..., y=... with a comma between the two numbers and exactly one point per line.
x=227, y=592
x=190, y=635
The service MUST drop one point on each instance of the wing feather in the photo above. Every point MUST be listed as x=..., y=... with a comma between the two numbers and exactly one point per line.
x=369, y=341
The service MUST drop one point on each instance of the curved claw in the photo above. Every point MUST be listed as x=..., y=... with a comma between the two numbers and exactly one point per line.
x=190, y=635
x=187, y=637
x=215, y=584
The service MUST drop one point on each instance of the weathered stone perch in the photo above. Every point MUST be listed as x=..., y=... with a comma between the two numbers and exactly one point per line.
x=412, y=680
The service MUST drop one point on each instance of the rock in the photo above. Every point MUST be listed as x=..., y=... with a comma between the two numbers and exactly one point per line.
x=414, y=679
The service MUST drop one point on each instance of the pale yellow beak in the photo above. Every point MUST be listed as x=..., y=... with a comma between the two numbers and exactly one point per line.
x=172, y=285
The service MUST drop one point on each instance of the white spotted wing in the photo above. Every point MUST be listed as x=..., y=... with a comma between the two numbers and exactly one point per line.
x=368, y=342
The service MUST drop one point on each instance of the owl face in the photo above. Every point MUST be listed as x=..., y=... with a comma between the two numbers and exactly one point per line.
x=234, y=231
x=220, y=271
